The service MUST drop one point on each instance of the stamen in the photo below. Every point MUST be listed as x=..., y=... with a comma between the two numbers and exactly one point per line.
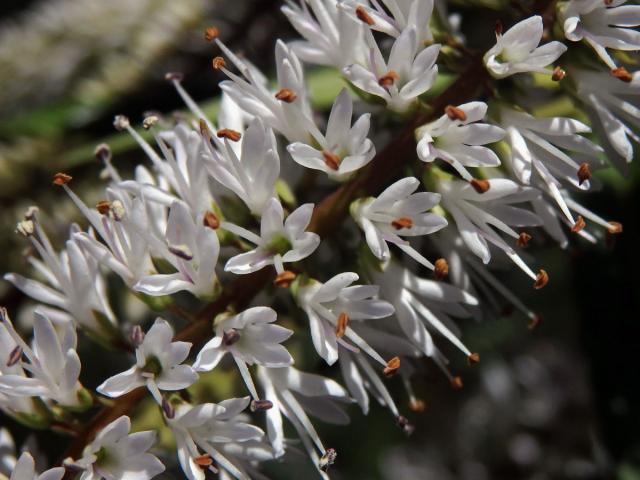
x=168, y=409
x=284, y=279
x=363, y=16
x=480, y=186
x=211, y=220
x=341, y=324
x=523, y=239
x=441, y=269
x=260, y=405
x=404, y=424
x=534, y=322
x=541, y=280
x=31, y=213
x=230, y=337
x=103, y=207
x=211, y=33
x=392, y=367
x=331, y=159
x=121, y=122
x=117, y=210
x=181, y=251
x=137, y=336
x=230, y=134
x=149, y=121
x=218, y=63
x=558, y=74
x=60, y=179
x=402, y=222
x=622, y=74
x=456, y=382
x=615, y=227
x=473, y=358
x=388, y=78
x=584, y=173
x=328, y=459
x=286, y=95
x=579, y=225
x=103, y=152
x=498, y=27
x=14, y=356
x=203, y=461
x=174, y=76
x=455, y=113
x=25, y=228
x=417, y=405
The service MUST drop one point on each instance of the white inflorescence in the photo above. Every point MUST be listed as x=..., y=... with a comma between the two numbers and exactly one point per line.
x=455, y=181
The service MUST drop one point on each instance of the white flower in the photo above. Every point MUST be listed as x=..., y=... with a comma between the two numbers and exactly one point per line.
x=19, y=405
x=517, y=50
x=538, y=145
x=616, y=118
x=25, y=470
x=325, y=303
x=477, y=214
x=252, y=173
x=116, y=454
x=398, y=212
x=180, y=169
x=287, y=110
x=214, y=429
x=53, y=364
x=192, y=248
x=603, y=24
x=457, y=138
x=331, y=36
x=343, y=149
x=424, y=306
x=123, y=226
x=251, y=339
x=401, y=15
x=76, y=289
x=280, y=241
x=158, y=365
x=407, y=75
x=293, y=394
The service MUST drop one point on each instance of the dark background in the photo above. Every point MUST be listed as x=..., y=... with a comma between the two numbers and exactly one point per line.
x=580, y=366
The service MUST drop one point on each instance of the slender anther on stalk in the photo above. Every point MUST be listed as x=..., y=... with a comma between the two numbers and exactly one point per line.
x=523, y=239
x=541, y=280
x=584, y=173
x=286, y=95
x=480, y=186
x=363, y=16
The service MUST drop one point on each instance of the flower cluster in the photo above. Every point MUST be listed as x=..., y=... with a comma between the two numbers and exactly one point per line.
x=213, y=220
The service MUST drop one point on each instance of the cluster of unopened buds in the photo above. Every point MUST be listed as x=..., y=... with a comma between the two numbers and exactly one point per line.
x=216, y=214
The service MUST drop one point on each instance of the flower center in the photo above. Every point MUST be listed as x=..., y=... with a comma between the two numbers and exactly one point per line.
x=152, y=366
x=279, y=244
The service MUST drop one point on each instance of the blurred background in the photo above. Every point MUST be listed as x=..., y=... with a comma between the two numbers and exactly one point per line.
x=559, y=402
